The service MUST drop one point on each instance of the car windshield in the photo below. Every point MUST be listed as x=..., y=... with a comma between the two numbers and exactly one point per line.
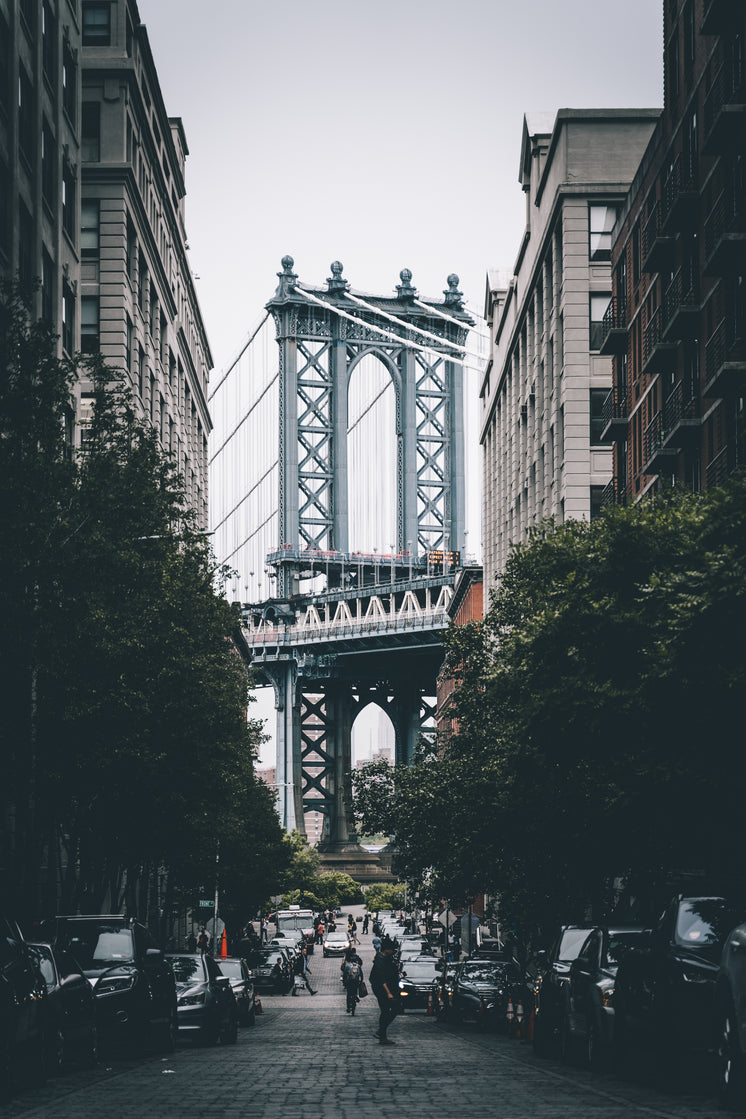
x=571, y=943
x=294, y=923
x=485, y=971
x=336, y=938
x=268, y=959
x=187, y=969
x=422, y=969
x=231, y=968
x=705, y=921
x=97, y=944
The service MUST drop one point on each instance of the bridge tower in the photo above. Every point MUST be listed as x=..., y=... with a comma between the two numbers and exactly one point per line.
x=373, y=635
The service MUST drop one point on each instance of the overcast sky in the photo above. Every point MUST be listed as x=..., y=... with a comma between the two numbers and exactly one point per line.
x=385, y=135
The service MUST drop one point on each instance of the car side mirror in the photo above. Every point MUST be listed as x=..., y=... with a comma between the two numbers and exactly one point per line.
x=153, y=955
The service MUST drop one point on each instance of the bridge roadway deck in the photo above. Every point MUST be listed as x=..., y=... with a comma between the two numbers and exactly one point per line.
x=306, y=1057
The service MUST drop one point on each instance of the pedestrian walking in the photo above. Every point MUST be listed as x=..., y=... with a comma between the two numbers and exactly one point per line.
x=352, y=977
x=366, y=920
x=376, y=942
x=203, y=941
x=302, y=971
x=265, y=931
x=384, y=980
x=352, y=929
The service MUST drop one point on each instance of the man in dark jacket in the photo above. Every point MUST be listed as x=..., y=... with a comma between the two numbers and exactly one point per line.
x=384, y=980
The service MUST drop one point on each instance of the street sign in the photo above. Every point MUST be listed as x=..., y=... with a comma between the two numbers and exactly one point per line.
x=206, y=904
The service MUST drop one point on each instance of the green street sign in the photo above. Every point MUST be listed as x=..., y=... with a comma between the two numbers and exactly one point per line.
x=206, y=904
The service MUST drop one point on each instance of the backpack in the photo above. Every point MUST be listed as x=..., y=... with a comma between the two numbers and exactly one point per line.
x=352, y=972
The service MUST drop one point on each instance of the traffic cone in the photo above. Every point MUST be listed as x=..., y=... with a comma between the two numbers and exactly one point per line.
x=258, y=1006
x=223, y=949
x=509, y=1015
x=430, y=1010
x=519, y=1019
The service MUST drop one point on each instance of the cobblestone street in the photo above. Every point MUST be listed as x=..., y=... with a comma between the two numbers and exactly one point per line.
x=306, y=1055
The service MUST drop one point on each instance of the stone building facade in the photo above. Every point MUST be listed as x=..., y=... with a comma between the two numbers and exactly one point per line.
x=545, y=383
x=677, y=325
x=92, y=202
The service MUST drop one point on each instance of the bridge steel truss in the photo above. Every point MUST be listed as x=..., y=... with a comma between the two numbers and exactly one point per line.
x=374, y=635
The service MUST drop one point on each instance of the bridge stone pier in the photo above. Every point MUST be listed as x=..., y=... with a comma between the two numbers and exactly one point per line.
x=345, y=627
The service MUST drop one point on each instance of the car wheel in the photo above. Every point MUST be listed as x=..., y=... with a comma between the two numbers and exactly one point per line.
x=731, y=1074
x=593, y=1050
x=56, y=1056
x=251, y=1017
x=567, y=1044
x=542, y=1038
x=229, y=1036
x=90, y=1051
x=210, y=1033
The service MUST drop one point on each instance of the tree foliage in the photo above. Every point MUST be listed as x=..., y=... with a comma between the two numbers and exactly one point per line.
x=128, y=749
x=596, y=711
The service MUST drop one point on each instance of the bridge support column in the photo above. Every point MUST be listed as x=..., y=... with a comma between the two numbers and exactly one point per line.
x=288, y=769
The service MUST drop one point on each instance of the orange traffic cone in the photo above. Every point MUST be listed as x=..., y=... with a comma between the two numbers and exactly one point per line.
x=519, y=1019
x=430, y=1010
x=223, y=949
x=258, y=1006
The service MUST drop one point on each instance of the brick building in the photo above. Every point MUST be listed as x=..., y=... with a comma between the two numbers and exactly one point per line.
x=465, y=606
x=675, y=326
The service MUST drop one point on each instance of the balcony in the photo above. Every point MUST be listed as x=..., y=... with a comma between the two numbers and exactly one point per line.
x=719, y=16
x=613, y=494
x=682, y=418
x=658, y=354
x=718, y=470
x=658, y=458
x=680, y=196
x=657, y=248
x=725, y=110
x=725, y=235
x=615, y=415
x=681, y=306
x=614, y=328
x=725, y=360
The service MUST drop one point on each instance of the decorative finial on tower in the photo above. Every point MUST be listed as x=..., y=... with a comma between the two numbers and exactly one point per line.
x=287, y=278
x=454, y=297
x=404, y=289
x=337, y=283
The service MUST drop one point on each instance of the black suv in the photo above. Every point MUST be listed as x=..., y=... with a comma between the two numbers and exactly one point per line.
x=25, y=1021
x=552, y=974
x=133, y=983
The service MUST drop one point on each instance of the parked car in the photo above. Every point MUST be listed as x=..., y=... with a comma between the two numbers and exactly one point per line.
x=73, y=1034
x=665, y=991
x=729, y=1032
x=552, y=972
x=335, y=944
x=480, y=991
x=133, y=984
x=290, y=942
x=418, y=985
x=445, y=986
x=588, y=1014
x=24, y=1011
x=270, y=970
x=243, y=988
x=206, y=1005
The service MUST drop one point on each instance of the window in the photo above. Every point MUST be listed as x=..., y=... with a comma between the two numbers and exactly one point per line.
x=128, y=342
x=69, y=82
x=601, y=219
x=68, y=201
x=89, y=325
x=5, y=70
x=47, y=287
x=89, y=227
x=673, y=80
x=636, y=254
x=25, y=248
x=26, y=116
x=48, y=167
x=689, y=35
x=68, y=319
x=131, y=248
x=49, y=43
x=597, y=397
x=90, y=132
x=598, y=307
x=4, y=208
x=96, y=25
